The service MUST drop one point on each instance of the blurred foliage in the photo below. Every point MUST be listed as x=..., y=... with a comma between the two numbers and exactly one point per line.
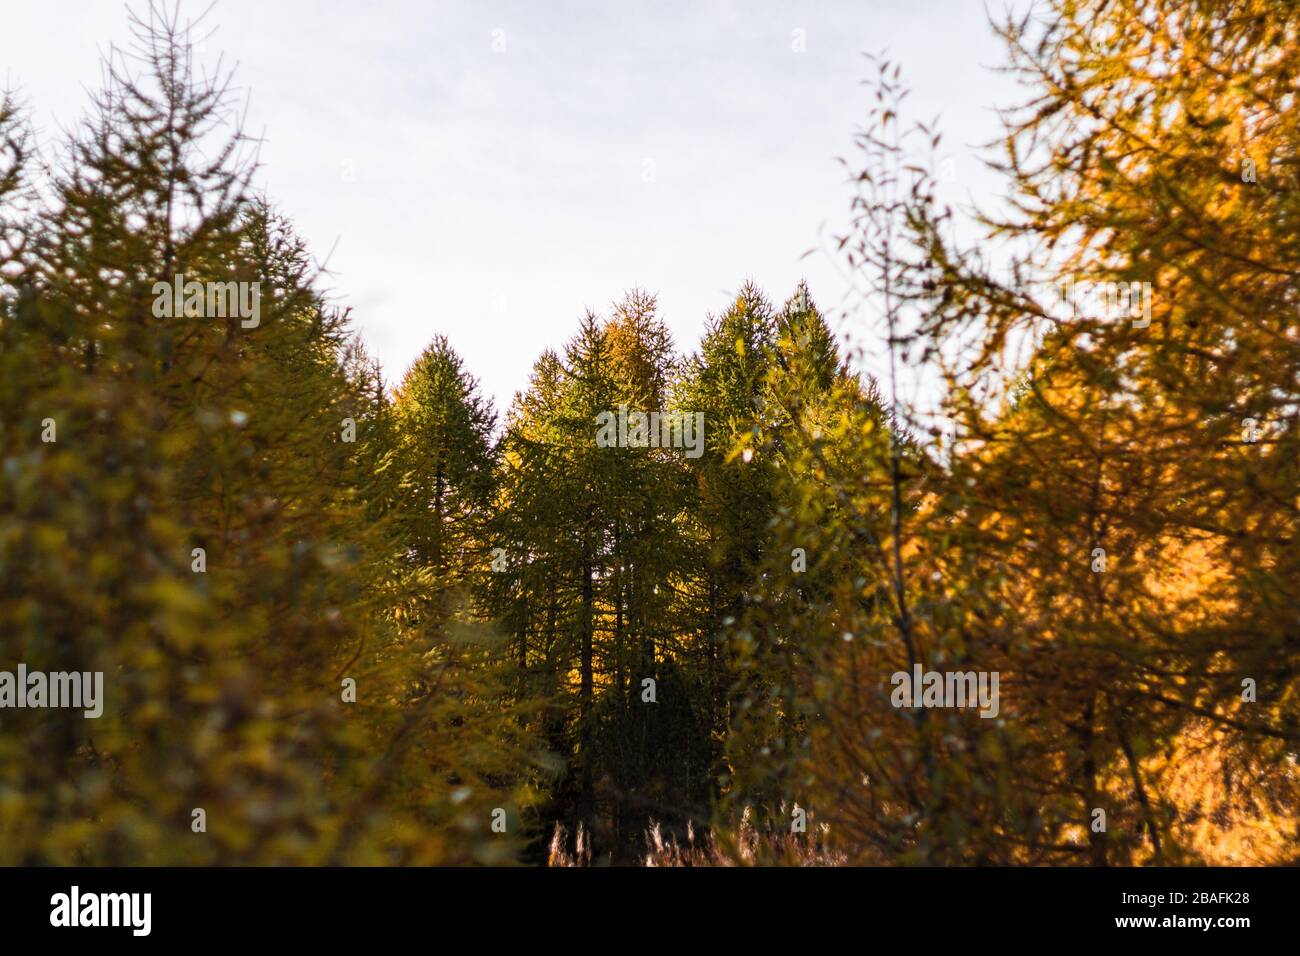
x=224, y=689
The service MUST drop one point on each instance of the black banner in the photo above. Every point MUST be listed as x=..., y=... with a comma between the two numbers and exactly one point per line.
x=935, y=905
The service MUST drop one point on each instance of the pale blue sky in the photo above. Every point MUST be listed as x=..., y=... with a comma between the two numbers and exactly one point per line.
x=494, y=194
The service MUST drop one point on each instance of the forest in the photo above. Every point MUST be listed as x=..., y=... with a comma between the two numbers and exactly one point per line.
x=733, y=602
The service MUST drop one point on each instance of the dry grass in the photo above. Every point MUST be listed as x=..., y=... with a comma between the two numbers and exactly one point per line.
x=742, y=847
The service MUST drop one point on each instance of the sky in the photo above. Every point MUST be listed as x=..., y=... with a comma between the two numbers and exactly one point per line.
x=490, y=170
